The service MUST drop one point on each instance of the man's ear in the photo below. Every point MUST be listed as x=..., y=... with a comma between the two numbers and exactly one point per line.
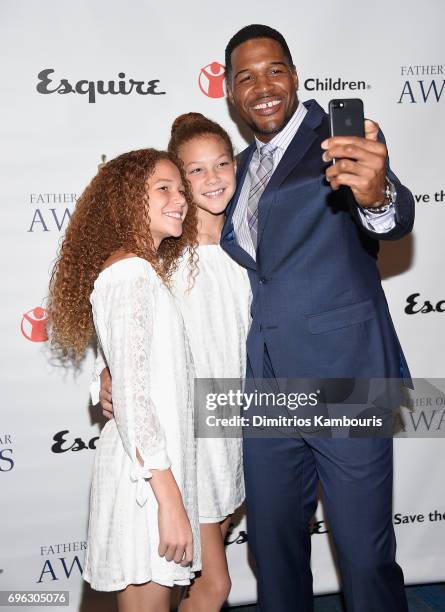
x=229, y=92
x=295, y=77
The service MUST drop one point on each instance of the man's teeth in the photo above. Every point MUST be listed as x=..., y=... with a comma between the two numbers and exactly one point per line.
x=213, y=194
x=175, y=215
x=267, y=104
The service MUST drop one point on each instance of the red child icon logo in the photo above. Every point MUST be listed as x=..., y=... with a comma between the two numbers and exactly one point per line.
x=33, y=325
x=211, y=80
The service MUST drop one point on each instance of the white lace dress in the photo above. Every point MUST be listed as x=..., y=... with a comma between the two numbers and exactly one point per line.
x=144, y=344
x=216, y=316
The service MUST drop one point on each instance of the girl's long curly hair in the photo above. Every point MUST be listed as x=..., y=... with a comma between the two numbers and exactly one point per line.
x=111, y=214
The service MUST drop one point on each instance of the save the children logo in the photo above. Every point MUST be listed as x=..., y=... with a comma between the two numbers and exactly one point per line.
x=33, y=325
x=211, y=80
x=48, y=84
x=315, y=83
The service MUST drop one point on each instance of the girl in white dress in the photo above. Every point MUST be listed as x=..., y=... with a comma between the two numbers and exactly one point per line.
x=216, y=315
x=122, y=244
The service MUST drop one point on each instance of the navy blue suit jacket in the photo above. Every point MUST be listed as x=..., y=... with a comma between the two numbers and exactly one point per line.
x=318, y=304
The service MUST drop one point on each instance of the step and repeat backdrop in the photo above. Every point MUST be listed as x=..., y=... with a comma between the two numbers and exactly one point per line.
x=87, y=80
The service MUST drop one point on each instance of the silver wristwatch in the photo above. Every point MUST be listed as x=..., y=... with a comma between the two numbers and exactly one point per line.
x=390, y=198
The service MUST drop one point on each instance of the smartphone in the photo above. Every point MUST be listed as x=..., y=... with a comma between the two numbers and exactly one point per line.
x=346, y=117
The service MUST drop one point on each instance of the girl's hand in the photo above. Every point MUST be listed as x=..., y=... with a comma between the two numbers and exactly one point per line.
x=175, y=533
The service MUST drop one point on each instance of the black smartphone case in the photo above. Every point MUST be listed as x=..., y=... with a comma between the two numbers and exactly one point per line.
x=346, y=117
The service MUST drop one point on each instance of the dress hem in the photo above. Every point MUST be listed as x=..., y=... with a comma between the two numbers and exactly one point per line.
x=123, y=585
x=204, y=519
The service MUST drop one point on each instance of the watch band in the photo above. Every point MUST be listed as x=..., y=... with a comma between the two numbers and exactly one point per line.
x=390, y=194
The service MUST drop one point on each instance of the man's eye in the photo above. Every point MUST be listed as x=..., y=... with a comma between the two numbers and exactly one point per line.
x=245, y=79
x=224, y=163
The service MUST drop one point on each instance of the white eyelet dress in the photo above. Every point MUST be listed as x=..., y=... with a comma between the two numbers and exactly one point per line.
x=143, y=340
x=216, y=316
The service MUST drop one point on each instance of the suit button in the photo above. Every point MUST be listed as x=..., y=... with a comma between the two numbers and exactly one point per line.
x=263, y=280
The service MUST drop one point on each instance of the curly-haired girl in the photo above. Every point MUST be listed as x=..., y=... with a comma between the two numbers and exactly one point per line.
x=123, y=242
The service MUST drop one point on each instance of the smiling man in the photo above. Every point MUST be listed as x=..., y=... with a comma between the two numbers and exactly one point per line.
x=310, y=246
x=263, y=86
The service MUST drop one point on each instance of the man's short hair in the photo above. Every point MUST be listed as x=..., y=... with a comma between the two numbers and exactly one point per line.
x=250, y=32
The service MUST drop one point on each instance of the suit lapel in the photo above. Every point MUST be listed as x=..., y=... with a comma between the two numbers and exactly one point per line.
x=228, y=239
x=301, y=142
x=294, y=153
x=240, y=176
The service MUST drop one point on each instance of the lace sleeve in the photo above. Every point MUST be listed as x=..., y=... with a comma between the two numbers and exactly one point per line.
x=99, y=365
x=130, y=305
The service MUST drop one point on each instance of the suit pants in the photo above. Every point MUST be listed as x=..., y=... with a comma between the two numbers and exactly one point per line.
x=356, y=477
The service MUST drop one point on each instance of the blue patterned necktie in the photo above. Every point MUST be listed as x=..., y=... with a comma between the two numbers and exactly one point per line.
x=258, y=182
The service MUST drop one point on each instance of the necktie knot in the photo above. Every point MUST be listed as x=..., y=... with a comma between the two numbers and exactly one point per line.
x=267, y=150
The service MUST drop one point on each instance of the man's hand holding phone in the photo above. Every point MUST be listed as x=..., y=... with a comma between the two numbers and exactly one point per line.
x=360, y=163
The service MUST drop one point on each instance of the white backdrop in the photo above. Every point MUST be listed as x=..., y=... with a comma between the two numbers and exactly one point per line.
x=51, y=144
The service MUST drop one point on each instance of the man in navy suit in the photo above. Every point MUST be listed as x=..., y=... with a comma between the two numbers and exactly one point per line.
x=307, y=231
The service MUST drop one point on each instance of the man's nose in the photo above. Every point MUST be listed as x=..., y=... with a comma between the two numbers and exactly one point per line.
x=262, y=83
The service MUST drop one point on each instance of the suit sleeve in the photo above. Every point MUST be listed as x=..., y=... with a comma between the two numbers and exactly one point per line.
x=403, y=208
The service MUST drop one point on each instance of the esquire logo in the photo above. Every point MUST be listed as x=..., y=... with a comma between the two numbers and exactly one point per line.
x=416, y=305
x=334, y=84
x=423, y=83
x=47, y=84
x=64, y=441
